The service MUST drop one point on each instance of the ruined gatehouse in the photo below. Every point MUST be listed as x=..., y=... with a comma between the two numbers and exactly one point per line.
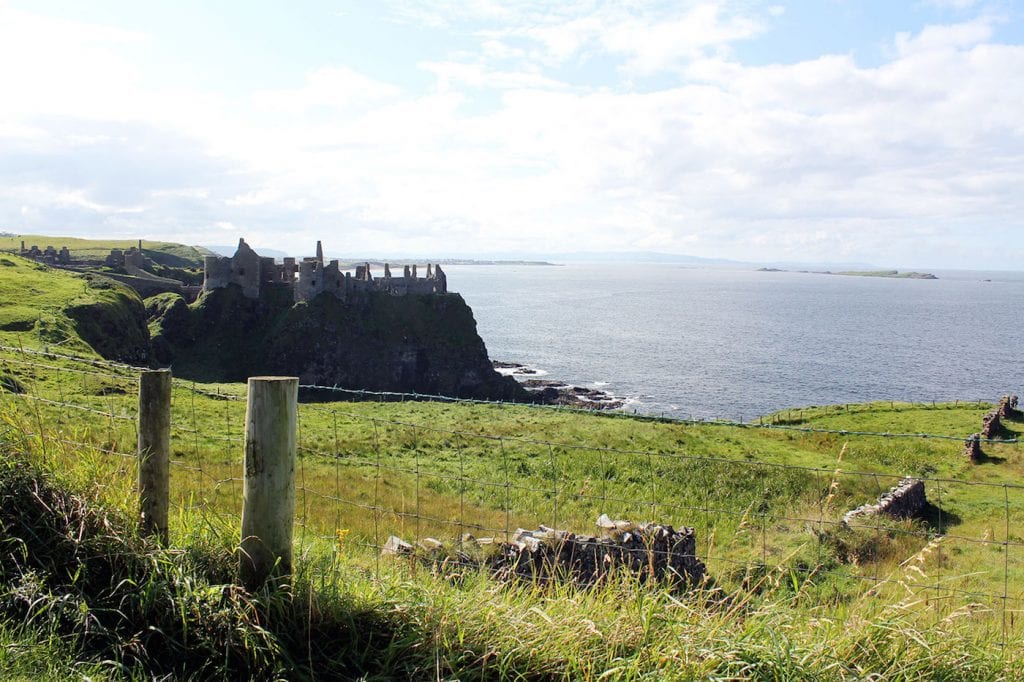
x=310, y=276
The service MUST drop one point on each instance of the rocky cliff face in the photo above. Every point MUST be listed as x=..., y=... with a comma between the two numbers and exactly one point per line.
x=423, y=344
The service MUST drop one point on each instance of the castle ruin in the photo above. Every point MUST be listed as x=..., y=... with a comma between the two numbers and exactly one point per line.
x=311, y=276
x=131, y=260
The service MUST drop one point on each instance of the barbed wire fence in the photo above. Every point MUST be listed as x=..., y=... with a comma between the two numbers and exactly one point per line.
x=366, y=474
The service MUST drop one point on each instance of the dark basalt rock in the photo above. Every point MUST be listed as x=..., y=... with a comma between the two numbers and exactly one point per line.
x=424, y=344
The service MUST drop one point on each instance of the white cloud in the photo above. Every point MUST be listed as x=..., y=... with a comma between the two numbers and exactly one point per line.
x=648, y=35
x=653, y=43
x=805, y=160
x=337, y=87
x=959, y=5
x=945, y=37
x=453, y=75
x=51, y=65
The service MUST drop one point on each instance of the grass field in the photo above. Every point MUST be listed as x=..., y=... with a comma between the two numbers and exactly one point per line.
x=765, y=504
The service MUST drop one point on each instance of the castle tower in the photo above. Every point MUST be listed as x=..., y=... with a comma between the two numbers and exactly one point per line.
x=319, y=253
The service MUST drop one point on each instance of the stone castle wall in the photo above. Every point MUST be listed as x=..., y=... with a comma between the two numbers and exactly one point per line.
x=311, y=277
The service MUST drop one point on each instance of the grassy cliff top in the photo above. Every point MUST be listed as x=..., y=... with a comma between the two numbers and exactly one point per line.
x=165, y=253
x=81, y=314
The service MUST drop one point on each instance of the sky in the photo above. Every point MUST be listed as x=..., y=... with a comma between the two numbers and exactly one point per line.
x=877, y=131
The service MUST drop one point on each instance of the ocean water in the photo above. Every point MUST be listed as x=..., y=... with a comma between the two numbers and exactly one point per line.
x=731, y=344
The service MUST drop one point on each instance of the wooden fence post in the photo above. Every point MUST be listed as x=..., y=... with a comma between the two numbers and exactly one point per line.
x=268, y=495
x=154, y=452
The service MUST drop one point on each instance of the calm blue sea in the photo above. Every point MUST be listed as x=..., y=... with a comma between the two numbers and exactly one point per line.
x=694, y=342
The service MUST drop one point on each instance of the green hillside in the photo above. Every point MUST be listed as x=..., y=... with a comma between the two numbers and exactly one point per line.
x=82, y=314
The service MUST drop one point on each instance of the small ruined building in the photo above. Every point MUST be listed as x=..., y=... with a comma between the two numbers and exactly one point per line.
x=49, y=255
x=131, y=260
x=311, y=276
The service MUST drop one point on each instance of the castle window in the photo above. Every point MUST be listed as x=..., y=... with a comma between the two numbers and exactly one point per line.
x=241, y=271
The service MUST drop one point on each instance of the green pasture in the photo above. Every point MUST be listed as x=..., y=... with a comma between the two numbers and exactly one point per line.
x=757, y=495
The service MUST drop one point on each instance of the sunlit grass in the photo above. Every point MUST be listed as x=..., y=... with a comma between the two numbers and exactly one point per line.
x=806, y=597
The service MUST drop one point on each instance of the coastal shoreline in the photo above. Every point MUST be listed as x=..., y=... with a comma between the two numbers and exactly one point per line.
x=555, y=392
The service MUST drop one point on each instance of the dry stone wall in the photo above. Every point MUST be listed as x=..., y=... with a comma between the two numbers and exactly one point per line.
x=972, y=448
x=990, y=424
x=991, y=427
x=648, y=551
x=1007, y=408
x=905, y=500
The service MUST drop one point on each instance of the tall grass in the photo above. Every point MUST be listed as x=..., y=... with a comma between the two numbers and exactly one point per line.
x=78, y=584
x=795, y=595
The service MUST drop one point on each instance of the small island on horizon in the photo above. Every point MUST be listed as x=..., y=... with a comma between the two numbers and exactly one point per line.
x=894, y=274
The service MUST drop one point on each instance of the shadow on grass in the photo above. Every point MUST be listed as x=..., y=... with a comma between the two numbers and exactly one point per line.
x=939, y=519
x=1008, y=433
x=989, y=459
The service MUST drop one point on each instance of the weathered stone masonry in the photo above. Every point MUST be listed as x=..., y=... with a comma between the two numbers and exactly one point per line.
x=310, y=277
x=991, y=426
x=646, y=550
x=49, y=255
x=905, y=500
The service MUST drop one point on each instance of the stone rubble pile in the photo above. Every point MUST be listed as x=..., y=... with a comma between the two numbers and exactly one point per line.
x=648, y=551
x=904, y=500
